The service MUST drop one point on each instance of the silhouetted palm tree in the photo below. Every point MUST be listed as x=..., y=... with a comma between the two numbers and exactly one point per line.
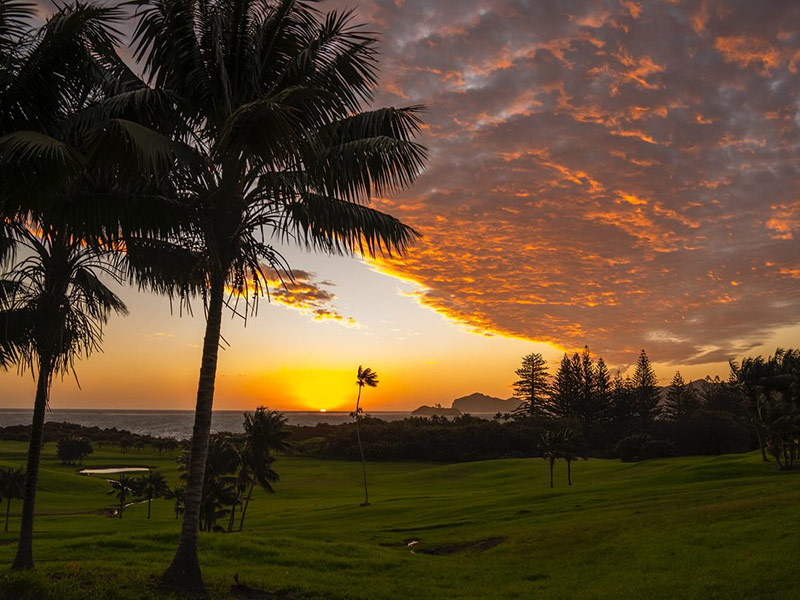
x=218, y=480
x=150, y=486
x=551, y=444
x=365, y=377
x=54, y=314
x=572, y=448
x=265, y=433
x=177, y=493
x=753, y=378
x=12, y=486
x=122, y=489
x=271, y=92
x=62, y=168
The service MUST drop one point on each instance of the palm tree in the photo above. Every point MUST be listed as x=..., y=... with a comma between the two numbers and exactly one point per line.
x=152, y=485
x=752, y=378
x=572, y=448
x=218, y=479
x=265, y=432
x=122, y=488
x=60, y=166
x=177, y=493
x=54, y=314
x=12, y=486
x=369, y=378
x=277, y=144
x=551, y=444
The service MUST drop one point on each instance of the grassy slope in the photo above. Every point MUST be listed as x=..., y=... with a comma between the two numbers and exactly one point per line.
x=712, y=527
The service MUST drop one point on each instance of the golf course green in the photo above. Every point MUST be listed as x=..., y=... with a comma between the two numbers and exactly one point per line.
x=699, y=527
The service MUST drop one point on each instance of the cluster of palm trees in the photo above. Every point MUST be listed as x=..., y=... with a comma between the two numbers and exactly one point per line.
x=771, y=387
x=236, y=464
x=243, y=122
x=132, y=489
x=561, y=443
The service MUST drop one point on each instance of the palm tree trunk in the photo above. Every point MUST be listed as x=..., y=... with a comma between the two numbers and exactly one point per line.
x=184, y=571
x=361, y=449
x=761, y=443
x=551, y=472
x=148, y=507
x=8, y=510
x=233, y=516
x=121, y=506
x=24, y=557
x=569, y=472
x=246, y=503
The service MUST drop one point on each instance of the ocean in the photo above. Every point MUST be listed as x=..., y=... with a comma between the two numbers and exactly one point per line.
x=173, y=423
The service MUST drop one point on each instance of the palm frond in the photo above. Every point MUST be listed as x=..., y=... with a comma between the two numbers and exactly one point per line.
x=165, y=267
x=98, y=299
x=15, y=23
x=134, y=146
x=360, y=168
x=333, y=225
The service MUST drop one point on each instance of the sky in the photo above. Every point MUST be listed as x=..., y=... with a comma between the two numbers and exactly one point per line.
x=617, y=174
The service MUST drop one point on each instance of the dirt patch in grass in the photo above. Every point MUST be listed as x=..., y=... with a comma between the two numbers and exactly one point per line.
x=455, y=547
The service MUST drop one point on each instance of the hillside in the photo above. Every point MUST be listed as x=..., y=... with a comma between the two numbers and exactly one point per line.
x=483, y=530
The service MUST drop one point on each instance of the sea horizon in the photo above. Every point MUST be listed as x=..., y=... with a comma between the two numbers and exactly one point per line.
x=176, y=422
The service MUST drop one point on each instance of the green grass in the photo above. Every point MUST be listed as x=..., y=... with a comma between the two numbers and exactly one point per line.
x=707, y=527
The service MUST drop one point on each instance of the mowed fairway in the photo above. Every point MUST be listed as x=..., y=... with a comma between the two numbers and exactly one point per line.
x=706, y=527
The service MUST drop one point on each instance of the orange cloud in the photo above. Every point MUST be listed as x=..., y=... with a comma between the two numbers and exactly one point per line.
x=301, y=292
x=749, y=51
x=588, y=170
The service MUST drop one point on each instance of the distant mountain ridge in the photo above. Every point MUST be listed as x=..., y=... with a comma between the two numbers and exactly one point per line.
x=481, y=403
x=474, y=403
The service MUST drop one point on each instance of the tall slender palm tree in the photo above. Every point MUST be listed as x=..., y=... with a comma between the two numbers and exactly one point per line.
x=271, y=95
x=12, y=486
x=365, y=377
x=55, y=314
x=60, y=163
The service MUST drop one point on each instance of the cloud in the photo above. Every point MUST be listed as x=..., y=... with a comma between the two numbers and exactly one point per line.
x=301, y=292
x=601, y=171
x=622, y=174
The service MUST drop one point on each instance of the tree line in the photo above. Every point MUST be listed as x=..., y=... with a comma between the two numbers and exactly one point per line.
x=242, y=122
x=603, y=416
x=761, y=397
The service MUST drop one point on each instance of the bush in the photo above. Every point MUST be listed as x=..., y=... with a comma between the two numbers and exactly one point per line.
x=659, y=449
x=638, y=447
x=73, y=450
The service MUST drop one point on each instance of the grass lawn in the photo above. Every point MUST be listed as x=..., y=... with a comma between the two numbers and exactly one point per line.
x=707, y=527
